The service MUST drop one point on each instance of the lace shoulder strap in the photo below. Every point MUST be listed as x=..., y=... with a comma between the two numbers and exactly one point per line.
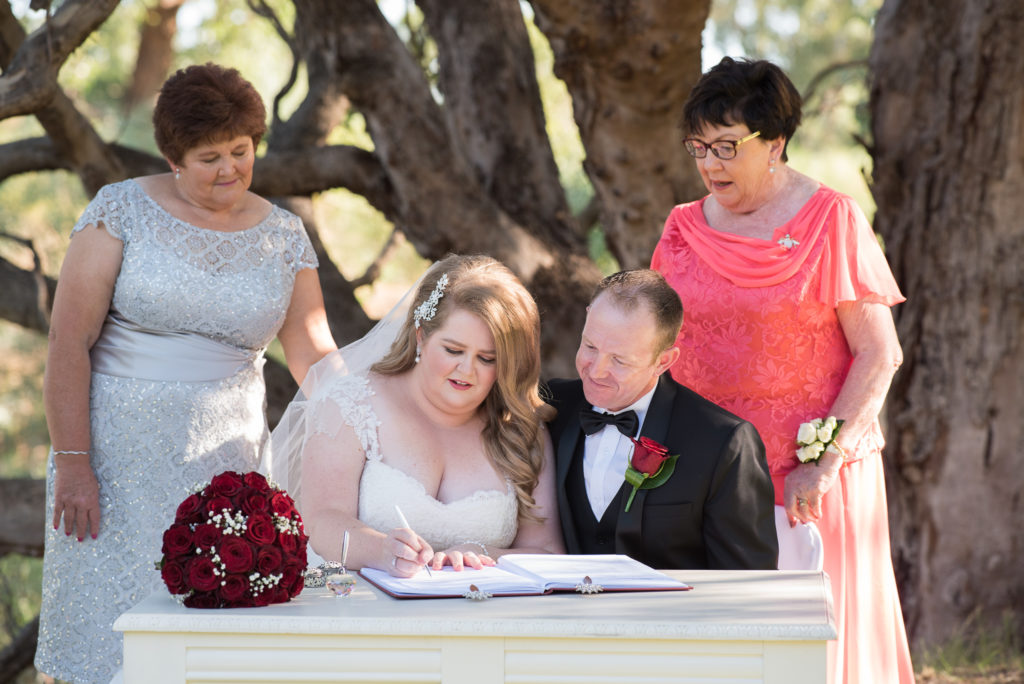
x=346, y=400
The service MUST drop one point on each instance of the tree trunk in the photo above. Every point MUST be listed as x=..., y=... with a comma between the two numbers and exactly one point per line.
x=948, y=123
x=21, y=527
x=629, y=67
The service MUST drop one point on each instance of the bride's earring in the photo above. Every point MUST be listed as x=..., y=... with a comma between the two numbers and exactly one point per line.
x=417, y=359
x=177, y=174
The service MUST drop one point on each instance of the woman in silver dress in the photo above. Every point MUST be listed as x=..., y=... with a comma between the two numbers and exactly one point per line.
x=171, y=289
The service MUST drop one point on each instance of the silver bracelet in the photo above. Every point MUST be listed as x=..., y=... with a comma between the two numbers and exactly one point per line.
x=470, y=541
x=76, y=453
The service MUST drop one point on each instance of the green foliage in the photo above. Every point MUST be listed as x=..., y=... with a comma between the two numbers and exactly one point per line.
x=807, y=38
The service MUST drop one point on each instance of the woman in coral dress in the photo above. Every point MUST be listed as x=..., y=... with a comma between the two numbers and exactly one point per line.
x=787, y=298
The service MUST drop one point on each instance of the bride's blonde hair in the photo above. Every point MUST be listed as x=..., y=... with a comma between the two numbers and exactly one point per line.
x=514, y=410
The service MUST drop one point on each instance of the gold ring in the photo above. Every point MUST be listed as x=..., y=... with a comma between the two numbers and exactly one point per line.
x=801, y=502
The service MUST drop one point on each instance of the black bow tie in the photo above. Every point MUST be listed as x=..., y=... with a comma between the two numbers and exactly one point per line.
x=591, y=421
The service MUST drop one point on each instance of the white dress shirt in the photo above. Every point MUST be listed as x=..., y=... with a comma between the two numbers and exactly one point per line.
x=606, y=455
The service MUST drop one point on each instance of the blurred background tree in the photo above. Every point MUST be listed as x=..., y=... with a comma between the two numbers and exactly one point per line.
x=542, y=132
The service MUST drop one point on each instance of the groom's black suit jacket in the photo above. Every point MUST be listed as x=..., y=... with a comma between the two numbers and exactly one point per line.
x=717, y=509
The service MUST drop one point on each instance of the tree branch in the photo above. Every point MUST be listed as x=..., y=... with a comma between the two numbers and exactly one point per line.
x=304, y=171
x=816, y=81
x=17, y=655
x=29, y=82
x=262, y=9
x=499, y=129
x=395, y=240
x=28, y=295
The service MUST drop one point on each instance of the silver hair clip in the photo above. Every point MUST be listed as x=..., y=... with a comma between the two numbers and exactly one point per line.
x=428, y=309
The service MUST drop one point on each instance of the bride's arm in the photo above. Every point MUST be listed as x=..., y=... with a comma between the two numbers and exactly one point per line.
x=331, y=470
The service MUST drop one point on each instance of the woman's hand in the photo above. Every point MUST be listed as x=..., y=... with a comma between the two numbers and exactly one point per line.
x=460, y=556
x=807, y=484
x=406, y=552
x=76, y=496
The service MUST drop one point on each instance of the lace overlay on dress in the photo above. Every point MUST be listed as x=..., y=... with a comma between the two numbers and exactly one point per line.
x=152, y=441
x=486, y=516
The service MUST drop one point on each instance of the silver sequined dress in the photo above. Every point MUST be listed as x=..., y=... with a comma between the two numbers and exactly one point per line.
x=153, y=440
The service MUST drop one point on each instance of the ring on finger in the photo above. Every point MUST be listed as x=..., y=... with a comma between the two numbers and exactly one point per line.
x=394, y=562
x=801, y=502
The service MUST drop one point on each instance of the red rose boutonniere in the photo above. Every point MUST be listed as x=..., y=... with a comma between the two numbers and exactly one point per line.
x=650, y=466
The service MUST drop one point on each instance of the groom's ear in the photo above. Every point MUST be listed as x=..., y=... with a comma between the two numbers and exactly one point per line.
x=666, y=359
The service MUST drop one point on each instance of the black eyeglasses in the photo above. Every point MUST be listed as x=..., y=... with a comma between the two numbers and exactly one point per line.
x=723, y=149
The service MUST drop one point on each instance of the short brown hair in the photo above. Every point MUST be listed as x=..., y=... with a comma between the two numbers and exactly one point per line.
x=628, y=289
x=755, y=93
x=203, y=104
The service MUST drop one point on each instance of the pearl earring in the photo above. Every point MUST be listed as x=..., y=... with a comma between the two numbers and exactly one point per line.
x=417, y=359
x=771, y=165
x=177, y=174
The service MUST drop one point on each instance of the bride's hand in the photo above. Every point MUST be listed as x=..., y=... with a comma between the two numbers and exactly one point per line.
x=459, y=557
x=406, y=552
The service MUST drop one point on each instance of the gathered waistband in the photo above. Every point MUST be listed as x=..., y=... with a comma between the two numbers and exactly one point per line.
x=128, y=350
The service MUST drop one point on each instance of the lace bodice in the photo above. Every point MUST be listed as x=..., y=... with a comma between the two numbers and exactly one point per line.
x=486, y=516
x=176, y=276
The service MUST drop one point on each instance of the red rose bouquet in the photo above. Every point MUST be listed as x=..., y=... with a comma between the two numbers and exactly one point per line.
x=649, y=467
x=235, y=542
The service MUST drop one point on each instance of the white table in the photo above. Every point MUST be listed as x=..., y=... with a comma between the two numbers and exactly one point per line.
x=734, y=626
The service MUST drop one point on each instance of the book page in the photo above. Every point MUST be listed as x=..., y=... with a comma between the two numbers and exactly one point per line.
x=448, y=582
x=611, y=571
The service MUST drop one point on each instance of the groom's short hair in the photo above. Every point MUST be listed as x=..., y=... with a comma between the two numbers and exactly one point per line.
x=634, y=287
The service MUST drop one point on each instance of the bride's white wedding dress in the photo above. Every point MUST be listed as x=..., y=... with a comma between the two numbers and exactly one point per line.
x=488, y=517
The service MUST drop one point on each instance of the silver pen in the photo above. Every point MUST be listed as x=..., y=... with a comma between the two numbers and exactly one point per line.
x=405, y=524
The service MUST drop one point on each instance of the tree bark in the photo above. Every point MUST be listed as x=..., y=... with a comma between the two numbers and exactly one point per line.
x=21, y=527
x=629, y=67
x=948, y=123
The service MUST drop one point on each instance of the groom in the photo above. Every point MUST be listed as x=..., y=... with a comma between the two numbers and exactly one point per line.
x=716, y=509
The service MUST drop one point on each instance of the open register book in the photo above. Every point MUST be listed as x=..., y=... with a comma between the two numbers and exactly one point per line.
x=529, y=575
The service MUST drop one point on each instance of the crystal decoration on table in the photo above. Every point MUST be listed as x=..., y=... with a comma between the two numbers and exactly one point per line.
x=341, y=583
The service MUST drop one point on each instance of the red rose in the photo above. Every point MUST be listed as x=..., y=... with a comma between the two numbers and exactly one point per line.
x=254, y=502
x=235, y=589
x=189, y=511
x=289, y=543
x=260, y=529
x=177, y=541
x=203, y=599
x=237, y=555
x=280, y=594
x=256, y=481
x=200, y=573
x=292, y=579
x=173, y=574
x=282, y=504
x=217, y=505
x=648, y=456
x=207, y=536
x=264, y=598
x=227, y=484
x=269, y=560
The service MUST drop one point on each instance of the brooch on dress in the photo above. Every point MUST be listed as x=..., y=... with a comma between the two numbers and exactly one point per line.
x=788, y=242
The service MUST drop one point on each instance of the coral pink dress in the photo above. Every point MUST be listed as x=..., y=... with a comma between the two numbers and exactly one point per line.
x=761, y=338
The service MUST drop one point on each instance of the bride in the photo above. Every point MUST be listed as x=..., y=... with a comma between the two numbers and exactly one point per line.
x=447, y=425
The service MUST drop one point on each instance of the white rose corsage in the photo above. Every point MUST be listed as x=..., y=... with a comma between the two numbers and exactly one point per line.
x=813, y=439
